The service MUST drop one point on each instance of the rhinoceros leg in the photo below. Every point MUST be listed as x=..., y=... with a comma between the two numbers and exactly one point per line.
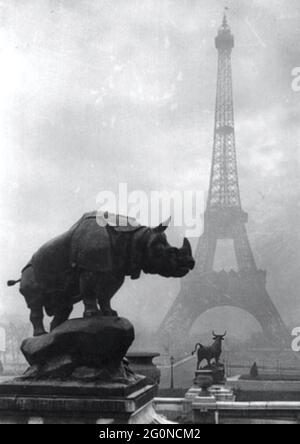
x=105, y=293
x=61, y=316
x=36, y=318
x=88, y=289
x=33, y=295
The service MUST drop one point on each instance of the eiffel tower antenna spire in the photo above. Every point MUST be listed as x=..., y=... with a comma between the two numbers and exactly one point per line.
x=224, y=24
x=224, y=218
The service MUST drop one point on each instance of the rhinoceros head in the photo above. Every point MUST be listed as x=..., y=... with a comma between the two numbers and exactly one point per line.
x=163, y=259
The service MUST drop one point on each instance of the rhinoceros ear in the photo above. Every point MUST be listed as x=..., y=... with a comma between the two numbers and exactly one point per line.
x=163, y=226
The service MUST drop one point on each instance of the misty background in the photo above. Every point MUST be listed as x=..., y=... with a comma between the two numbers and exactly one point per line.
x=98, y=92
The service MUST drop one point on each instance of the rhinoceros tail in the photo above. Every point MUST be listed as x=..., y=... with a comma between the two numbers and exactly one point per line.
x=11, y=283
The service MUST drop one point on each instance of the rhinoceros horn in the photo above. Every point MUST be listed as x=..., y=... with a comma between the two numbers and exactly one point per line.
x=186, y=247
x=163, y=226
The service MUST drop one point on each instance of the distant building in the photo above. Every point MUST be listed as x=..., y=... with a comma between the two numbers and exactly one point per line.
x=2, y=347
x=2, y=340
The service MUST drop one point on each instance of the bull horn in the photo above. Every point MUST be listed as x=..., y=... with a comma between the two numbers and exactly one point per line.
x=213, y=333
x=224, y=334
x=163, y=226
x=186, y=246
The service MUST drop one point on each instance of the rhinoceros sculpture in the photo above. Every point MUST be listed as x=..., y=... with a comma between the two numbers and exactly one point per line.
x=90, y=261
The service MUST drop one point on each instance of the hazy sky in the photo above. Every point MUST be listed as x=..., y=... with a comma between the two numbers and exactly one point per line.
x=97, y=92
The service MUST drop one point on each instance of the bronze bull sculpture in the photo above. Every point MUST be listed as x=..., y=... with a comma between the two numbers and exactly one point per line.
x=90, y=262
x=209, y=352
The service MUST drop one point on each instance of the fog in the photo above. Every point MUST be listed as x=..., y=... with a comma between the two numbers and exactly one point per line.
x=95, y=92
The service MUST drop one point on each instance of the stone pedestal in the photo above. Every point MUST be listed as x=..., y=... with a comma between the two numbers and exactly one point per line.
x=198, y=405
x=142, y=363
x=222, y=393
x=201, y=399
x=203, y=407
x=202, y=381
x=73, y=402
x=216, y=372
x=204, y=378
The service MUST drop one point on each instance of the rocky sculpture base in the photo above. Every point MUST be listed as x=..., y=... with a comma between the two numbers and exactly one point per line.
x=87, y=349
x=78, y=374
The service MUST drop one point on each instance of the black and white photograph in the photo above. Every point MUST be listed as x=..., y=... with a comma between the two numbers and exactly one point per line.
x=150, y=214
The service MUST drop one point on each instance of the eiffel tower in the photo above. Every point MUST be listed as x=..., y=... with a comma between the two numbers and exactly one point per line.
x=224, y=218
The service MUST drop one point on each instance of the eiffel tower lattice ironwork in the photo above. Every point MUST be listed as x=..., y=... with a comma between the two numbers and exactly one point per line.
x=224, y=218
